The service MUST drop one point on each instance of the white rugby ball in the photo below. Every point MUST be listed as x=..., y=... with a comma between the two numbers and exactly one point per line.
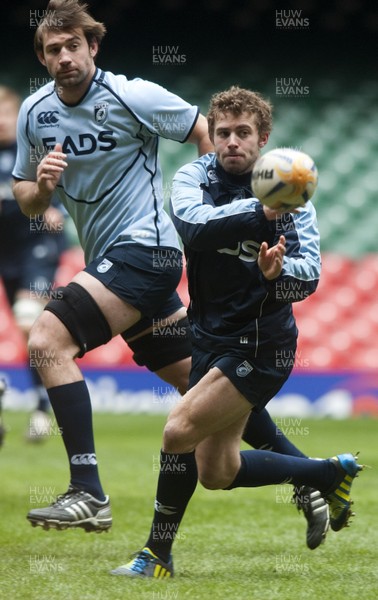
x=284, y=178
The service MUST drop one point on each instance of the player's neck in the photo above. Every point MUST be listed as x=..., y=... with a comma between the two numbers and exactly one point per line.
x=73, y=94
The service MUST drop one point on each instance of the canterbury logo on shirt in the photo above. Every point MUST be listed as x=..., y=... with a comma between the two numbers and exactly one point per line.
x=84, y=459
x=49, y=117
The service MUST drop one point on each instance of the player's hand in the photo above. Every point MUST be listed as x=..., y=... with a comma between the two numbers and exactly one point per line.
x=270, y=260
x=50, y=169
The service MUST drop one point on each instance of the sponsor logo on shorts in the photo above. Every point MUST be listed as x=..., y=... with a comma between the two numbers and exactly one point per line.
x=84, y=459
x=104, y=266
x=244, y=369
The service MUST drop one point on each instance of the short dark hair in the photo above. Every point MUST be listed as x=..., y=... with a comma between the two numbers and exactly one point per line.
x=66, y=15
x=237, y=100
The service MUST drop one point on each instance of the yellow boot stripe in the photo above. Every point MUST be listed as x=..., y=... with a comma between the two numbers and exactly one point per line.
x=157, y=570
x=340, y=494
x=345, y=486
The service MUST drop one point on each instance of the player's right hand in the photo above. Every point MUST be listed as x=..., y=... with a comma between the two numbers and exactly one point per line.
x=270, y=260
x=50, y=169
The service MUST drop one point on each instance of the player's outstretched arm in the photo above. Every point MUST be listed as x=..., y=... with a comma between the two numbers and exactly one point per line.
x=34, y=197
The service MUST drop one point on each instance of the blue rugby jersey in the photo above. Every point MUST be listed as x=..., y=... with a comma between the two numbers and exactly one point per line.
x=112, y=187
x=222, y=228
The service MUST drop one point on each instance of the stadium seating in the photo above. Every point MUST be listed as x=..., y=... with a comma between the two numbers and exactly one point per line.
x=338, y=325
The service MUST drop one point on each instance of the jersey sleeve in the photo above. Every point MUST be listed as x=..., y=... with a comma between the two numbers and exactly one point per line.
x=204, y=226
x=300, y=274
x=162, y=112
x=26, y=164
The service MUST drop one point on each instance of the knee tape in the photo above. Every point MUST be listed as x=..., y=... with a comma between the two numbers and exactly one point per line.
x=80, y=314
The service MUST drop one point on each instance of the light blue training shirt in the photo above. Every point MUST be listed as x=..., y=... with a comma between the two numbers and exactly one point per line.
x=112, y=187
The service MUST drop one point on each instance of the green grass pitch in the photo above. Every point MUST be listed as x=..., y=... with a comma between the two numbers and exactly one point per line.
x=244, y=544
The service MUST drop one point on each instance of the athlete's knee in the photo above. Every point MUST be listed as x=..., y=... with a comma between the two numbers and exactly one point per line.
x=178, y=435
x=212, y=483
x=214, y=476
x=46, y=343
x=172, y=441
x=209, y=478
x=40, y=336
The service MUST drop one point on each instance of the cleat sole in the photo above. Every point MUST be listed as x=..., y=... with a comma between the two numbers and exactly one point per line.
x=88, y=527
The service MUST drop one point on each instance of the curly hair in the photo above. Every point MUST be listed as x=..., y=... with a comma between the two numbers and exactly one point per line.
x=238, y=100
x=66, y=15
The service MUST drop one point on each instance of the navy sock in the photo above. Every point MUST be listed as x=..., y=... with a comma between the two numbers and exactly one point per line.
x=261, y=467
x=43, y=403
x=73, y=412
x=177, y=482
x=261, y=432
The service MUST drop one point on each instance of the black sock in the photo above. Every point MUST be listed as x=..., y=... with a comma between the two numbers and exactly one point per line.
x=177, y=482
x=73, y=412
x=261, y=467
x=261, y=432
x=43, y=403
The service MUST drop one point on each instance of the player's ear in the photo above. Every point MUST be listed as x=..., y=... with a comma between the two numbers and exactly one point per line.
x=263, y=140
x=93, y=48
x=41, y=58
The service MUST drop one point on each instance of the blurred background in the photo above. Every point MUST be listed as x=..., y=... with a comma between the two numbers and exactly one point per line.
x=317, y=62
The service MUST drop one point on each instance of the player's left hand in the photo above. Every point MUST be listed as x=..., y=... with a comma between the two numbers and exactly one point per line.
x=270, y=260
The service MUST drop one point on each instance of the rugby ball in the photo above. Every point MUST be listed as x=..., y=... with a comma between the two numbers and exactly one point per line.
x=284, y=178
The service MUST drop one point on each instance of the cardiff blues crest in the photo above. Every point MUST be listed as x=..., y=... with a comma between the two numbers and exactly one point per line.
x=101, y=112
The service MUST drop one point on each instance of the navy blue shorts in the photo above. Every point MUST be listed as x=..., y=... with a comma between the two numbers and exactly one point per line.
x=258, y=379
x=145, y=277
